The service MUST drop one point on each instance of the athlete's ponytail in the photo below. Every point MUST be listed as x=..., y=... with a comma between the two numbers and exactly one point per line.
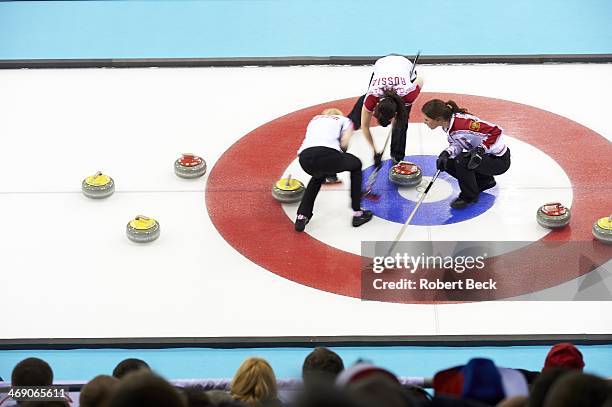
x=391, y=105
x=437, y=109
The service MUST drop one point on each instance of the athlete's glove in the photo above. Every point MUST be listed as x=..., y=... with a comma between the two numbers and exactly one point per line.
x=377, y=160
x=475, y=158
x=442, y=160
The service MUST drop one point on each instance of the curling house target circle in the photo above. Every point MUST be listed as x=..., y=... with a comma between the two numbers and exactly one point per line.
x=249, y=219
x=393, y=205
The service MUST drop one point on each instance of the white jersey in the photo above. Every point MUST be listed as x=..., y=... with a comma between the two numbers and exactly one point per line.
x=325, y=131
x=392, y=72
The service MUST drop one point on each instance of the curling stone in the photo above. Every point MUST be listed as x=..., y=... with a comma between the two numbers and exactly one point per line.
x=142, y=229
x=405, y=174
x=98, y=186
x=602, y=230
x=190, y=166
x=553, y=215
x=288, y=190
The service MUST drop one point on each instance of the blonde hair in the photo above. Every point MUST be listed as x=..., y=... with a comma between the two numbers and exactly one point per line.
x=333, y=111
x=254, y=382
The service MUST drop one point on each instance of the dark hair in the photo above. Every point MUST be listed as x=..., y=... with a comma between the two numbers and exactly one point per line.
x=391, y=105
x=578, y=389
x=146, y=389
x=32, y=372
x=437, y=109
x=541, y=386
x=98, y=391
x=380, y=390
x=197, y=396
x=129, y=365
x=321, y=364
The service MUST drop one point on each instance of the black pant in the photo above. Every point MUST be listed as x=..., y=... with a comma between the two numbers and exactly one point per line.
x=321, y=162
x=398, y=135
x=471, y=182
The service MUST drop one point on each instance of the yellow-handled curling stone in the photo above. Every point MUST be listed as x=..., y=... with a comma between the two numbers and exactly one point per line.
x=142, y=229
x=602, y=229
x=288, y=190
x=405, y=174
x=553, y=215
x=190, y=166
x=98, y=186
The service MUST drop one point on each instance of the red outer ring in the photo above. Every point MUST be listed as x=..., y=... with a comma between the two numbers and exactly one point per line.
x=245, y=214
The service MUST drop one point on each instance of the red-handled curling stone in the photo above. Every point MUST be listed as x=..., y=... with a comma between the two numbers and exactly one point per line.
x=553, y=215
x=405, y=174
x=190, y=166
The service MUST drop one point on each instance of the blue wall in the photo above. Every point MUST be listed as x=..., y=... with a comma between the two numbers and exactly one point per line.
x=84, y=364
x=276, y=28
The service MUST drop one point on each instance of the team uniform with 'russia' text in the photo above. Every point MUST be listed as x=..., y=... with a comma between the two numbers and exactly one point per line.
x=465, y=133
x=390, y=72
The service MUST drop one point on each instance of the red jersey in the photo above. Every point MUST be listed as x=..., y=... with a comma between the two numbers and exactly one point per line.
x=467, y=132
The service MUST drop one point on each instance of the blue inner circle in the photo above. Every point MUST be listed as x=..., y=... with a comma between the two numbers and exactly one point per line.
x=395, y=208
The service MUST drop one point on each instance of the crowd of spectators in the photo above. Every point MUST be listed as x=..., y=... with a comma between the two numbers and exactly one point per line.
x=327, y=382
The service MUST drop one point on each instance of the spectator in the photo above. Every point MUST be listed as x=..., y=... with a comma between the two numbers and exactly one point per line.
x=577, y=389
x=145, y=389
x=321, y=365
x=542, y=385
x=322, y=395
x=564, y=355
x=254, y=384
x=380, y=390
x=129, y=365
x=98, y=391
x=196, y=397
x=218, y=397
x=32, y=372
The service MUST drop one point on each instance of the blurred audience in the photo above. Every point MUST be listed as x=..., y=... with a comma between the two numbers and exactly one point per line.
x=32, y=372
x=129, y=365
x=326, y=383
x=98, y=391
x=146, y=389
x=254, y=384
x=577, y=389
x=321, y=366
x=564, y=355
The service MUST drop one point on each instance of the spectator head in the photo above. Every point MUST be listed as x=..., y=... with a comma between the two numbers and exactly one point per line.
x=564, y=355
x=32, y=372
x=197, y=397
x=321, y=365
x=146, y=389
x=380, y=390
x=254, y=382
x=577, y=389
x=129, y=365
x=541, y=386
x=98, y=391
